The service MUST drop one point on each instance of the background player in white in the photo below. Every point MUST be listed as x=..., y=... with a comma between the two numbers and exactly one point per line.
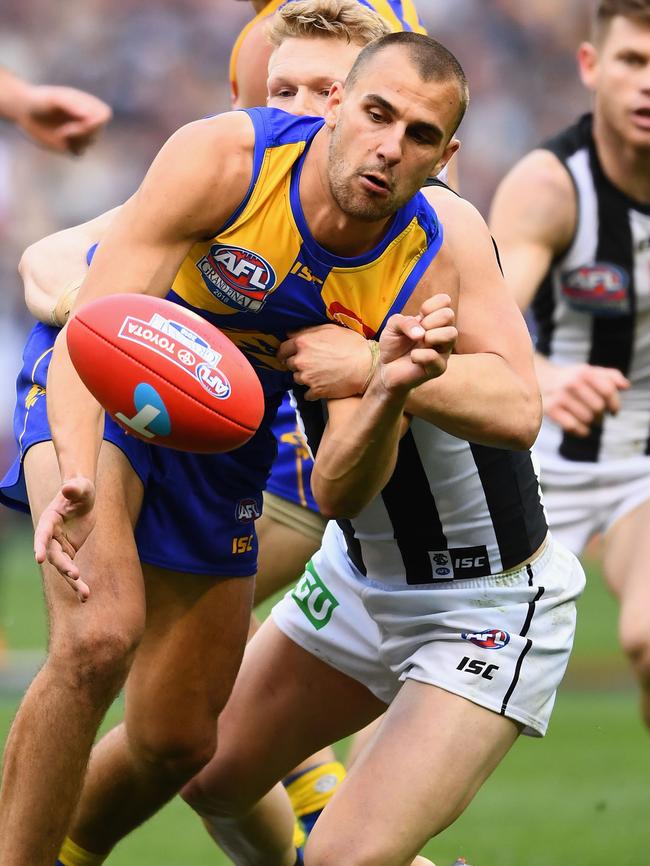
x=572, y=221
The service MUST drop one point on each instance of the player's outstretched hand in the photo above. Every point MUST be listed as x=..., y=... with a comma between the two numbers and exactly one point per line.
x=330, y=360
x=63, y=527
x=417, y=348
x=577, y=396
x=62, y=119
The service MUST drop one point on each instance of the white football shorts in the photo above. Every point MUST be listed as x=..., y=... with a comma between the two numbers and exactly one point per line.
x=501, y=641
x=584, y=499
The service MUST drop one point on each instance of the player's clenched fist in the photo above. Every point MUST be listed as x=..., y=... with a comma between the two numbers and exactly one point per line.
x=416, y=348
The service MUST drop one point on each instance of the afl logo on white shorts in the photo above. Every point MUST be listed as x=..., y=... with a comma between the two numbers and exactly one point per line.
x=491, y=638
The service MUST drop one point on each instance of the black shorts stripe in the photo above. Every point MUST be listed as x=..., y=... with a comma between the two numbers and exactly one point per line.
x=413, y=513
x=529, y=643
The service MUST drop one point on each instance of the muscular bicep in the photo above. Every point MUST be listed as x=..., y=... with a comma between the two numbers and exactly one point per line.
x=533, y=219
x=192, y=188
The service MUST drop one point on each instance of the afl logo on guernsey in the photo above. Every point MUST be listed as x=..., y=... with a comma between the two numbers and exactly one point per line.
x=601, y=289
x=238, y=278
x=491, y=638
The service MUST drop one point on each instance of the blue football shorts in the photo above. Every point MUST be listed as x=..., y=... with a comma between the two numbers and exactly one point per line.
x=199, y=510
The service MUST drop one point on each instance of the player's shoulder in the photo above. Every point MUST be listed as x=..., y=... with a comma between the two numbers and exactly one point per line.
x=536, y=198
x=277, y=127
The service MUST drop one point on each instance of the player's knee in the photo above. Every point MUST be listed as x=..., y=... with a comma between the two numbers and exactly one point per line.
x=174, y=752
x=94, y=659
x=219, y=792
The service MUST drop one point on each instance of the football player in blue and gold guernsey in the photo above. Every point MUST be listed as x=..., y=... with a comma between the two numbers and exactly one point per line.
x=350, y=237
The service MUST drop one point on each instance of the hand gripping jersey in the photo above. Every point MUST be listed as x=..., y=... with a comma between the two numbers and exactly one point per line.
x=264, y=275
x=594, y=305
x=400, y=15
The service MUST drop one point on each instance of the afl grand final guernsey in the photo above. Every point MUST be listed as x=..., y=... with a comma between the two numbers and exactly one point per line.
x=263, y=274
x=594, y=305
x=451, y=510
x=400, y=15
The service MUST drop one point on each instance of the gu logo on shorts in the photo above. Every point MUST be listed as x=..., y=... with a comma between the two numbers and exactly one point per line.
x=601, y=288
x=182, y=347
x=151, y=418
x=247, y=510
x=314, y=599
x=237, y=277
x=491, y=638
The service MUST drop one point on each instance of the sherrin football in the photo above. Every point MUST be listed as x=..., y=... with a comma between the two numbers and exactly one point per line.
x=165, y=374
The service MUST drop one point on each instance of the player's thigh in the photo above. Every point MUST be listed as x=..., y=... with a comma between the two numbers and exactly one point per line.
x=431, y=753
x=189, y=655
x=286, y=704
x=626, y=553
x=283, y=552
x=108, y=559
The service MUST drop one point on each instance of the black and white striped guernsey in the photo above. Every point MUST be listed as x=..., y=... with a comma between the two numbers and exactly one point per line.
x=594, y=305
x=451, y=510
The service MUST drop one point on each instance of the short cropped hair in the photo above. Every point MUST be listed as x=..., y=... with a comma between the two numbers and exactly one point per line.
x=432, y=60
x=636, y=10
x=334, y=19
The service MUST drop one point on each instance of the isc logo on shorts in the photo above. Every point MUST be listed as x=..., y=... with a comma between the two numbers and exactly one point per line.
x=314, y=599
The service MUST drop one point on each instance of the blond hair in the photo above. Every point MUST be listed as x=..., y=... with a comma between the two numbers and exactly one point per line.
x=333, y=19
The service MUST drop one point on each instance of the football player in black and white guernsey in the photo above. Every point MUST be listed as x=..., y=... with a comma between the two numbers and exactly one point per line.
x=572, y=221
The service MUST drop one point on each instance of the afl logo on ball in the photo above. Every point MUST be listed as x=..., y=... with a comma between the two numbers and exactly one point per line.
x=491, y=638
x=237, y=277
x=214, y=381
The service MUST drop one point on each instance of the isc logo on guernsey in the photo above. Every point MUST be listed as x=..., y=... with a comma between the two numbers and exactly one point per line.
x=237, y=277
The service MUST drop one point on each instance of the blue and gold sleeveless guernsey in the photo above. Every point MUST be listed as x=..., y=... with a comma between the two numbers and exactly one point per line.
x=264, y=275
x=261, y=276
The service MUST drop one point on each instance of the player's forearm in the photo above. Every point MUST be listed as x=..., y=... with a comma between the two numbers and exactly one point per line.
x=482, y=399
x=14, y=95
x=76, y=419
x=55, y=266
x=356, y=458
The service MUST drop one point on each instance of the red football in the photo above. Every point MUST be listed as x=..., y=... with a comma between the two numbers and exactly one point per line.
x=165, y=374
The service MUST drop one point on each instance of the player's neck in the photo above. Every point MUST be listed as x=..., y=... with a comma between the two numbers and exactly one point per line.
x=330, y=227
x=626, y=166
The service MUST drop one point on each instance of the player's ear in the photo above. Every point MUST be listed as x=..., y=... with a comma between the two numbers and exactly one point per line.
x=588, y=64
x=449, y=151
x=333, y=104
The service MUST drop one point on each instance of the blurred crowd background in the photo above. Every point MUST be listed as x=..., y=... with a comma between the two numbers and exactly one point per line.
x=162, y=63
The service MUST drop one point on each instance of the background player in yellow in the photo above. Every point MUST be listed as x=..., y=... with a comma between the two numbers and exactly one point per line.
x=252, y=50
